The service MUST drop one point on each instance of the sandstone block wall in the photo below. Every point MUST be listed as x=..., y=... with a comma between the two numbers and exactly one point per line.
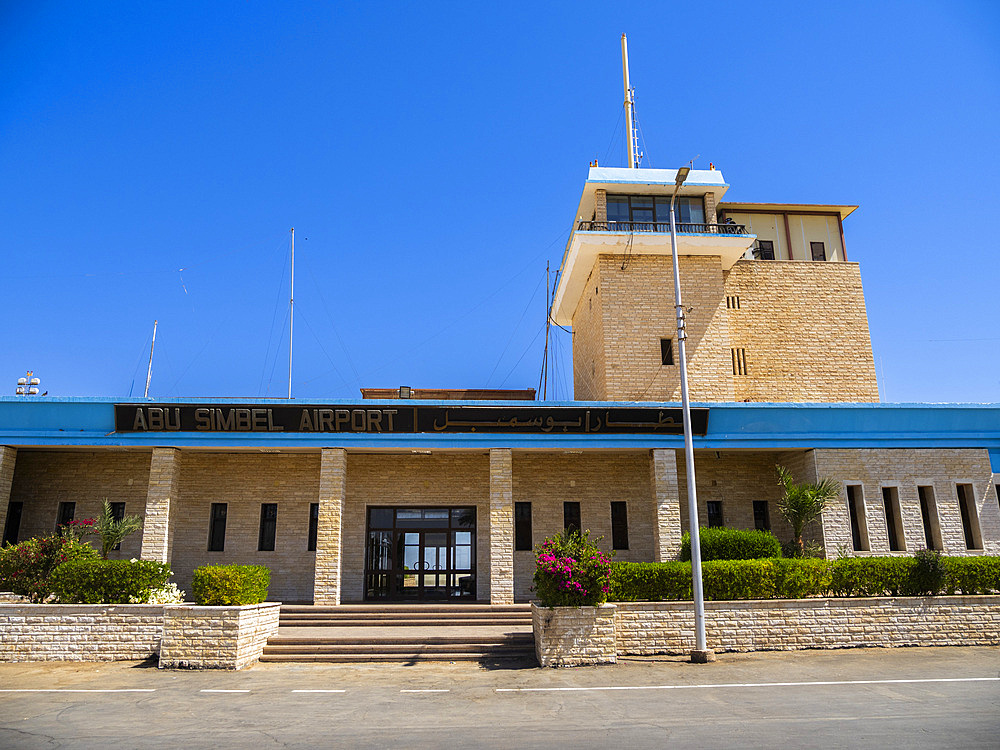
x=79, y=632
x=574, y=636
x=787, y=625
x=942, y=469
x=216, y=637
x=804, y=327
x=329, y=526
x=546, y=480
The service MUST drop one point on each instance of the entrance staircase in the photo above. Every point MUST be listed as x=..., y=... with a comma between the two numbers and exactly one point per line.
x=402, y=633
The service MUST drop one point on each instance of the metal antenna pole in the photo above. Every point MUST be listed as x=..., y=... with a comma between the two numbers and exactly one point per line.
x=629, y=108
x=545, y=353
x=701, y=654
x=149, y=370
x=291, y=315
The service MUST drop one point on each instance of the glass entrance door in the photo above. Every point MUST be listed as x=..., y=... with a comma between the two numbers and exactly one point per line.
x=420, y=554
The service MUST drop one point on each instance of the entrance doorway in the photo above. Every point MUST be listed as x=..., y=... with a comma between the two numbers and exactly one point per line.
x=420, y=554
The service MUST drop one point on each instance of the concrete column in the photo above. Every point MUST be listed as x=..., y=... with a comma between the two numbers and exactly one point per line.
x=501, y=527
x=600, y=205
x=329, y=534
x=667, y=504
x=164, y=480
x=711, y=217
x=7, y=456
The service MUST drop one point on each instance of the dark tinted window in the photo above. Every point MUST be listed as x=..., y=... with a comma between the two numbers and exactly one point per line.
x=818, y=250
x=666, y=351
x=117, y=513
x=67, y=511
x=217, y=528
x=761, y=515
x=619, y=525
x=313, y=526
x=522, y=526
x=13, y=523
x=764, y=250
x=714, y=512
x=268, y=525
x=571, y=516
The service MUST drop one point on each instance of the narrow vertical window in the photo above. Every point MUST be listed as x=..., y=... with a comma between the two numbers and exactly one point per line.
x=571, y=516
x=313, y=526
x=856, y=511
x=268, y=524
x=970, y=519
x=67, y=512
x=117, y=513
x=818, y=250
x=761, y=515
x=13, y=524
x=893, y=519
x=739, y=361
x=929, y=516
x=714, y=513
x=217, y=528
x=764, y=250
x=522, y=526
x=666, y=351
x=619, y=525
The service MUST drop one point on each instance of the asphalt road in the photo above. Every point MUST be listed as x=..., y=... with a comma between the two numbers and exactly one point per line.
x=907, y=698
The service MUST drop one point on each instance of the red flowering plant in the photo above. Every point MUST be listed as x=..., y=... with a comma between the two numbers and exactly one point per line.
x=570, y=571
x=25, y=568
x=77, y=529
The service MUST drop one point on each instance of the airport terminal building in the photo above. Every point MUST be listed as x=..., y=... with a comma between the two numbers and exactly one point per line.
x=410, y=495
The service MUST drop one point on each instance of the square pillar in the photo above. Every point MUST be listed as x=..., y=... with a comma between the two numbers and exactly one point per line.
x=332, y=496
x=501, y=527
x=7, y=457
x=600, y=205
x=711, y=217
x=164, y=481
x=666, y=504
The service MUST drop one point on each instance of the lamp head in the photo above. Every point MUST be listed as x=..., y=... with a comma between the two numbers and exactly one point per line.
x=682, y=175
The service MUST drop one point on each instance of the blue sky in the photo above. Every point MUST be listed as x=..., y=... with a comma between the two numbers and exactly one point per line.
x=431, y=156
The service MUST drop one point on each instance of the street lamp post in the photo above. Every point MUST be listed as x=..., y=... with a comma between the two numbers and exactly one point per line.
x=701, y=653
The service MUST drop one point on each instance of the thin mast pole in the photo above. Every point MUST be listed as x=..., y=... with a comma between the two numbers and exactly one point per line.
x=149, y=370
x=545, y=353
x=629, y=107
x=291, y=315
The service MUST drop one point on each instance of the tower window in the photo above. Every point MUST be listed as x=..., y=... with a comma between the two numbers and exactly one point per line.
x=739, y=361
x=764, y=250
x=733, y=303
x=666, y=351
x=818, y=250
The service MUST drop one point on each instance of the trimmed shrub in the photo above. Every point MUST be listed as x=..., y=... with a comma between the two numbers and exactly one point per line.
x=720, y=543
x=655, y=582
x=228, y=585
x=26, y=568
x=801, y=577
x=972, y=575
x=88, y=581
x=929, y=573
x=570, y=571
x=872, y=576
x=739, y=579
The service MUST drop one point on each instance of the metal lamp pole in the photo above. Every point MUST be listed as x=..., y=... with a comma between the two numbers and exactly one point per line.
x=701, y=653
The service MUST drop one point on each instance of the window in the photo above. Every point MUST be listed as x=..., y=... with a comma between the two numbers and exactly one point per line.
x=217, y=528
x=714, y=513
x=67, y=511
x=818, y=250
x=733, y=303
x=650, y=210
x=929, y=515
x=571, y=516
x=764, y=250
x=761, y=515
x=268, y=525
x=739, y=361
x=522, y=526
x=117, y=513
x=893, y=519
x=970, y=519
x=666, y=351
x=619, y=525
x=313, y=526
x=856, y=511
x=13, y=523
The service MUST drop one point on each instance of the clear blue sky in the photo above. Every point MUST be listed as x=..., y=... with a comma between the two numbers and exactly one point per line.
x=431, y=156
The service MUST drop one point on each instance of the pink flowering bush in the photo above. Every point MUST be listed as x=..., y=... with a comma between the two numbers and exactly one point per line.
x=26, y=568
x=570, y=571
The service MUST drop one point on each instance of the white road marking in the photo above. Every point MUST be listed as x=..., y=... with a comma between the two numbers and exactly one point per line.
x=319, y=691
x=748, y=685
x=426, y=691
x=79, y=690
x=212, y=690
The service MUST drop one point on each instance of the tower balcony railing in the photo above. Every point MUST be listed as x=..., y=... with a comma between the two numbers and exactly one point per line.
x=660, y=226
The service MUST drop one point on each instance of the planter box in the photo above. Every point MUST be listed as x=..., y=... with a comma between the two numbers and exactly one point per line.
x=216, y=637
x=574, y=636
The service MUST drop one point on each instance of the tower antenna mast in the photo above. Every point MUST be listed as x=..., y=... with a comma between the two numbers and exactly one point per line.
x=633, y=147
x=291, y=314
x=149, y=370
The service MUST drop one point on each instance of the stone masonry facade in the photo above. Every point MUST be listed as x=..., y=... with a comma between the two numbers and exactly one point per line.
x=216, y=637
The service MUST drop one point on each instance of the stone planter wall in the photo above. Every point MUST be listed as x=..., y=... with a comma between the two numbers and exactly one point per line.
x=80, y=632
x=216, y=637
x=573, y=636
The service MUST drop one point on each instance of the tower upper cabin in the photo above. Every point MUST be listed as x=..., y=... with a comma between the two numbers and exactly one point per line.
x=776, y=311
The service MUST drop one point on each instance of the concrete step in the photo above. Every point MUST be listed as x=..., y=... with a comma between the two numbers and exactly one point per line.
x=398, y=648
x=519, y=639
x=401, y=623
x=401, y=657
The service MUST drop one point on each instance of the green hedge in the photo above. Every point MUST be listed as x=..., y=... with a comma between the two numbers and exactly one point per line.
x=781, y=578
x=231, y=584
x=26, y=568
x=88, y=581
x=719, y=543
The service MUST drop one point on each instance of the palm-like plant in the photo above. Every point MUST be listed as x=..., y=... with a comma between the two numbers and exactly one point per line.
x=802, y=503
x=113, y=530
